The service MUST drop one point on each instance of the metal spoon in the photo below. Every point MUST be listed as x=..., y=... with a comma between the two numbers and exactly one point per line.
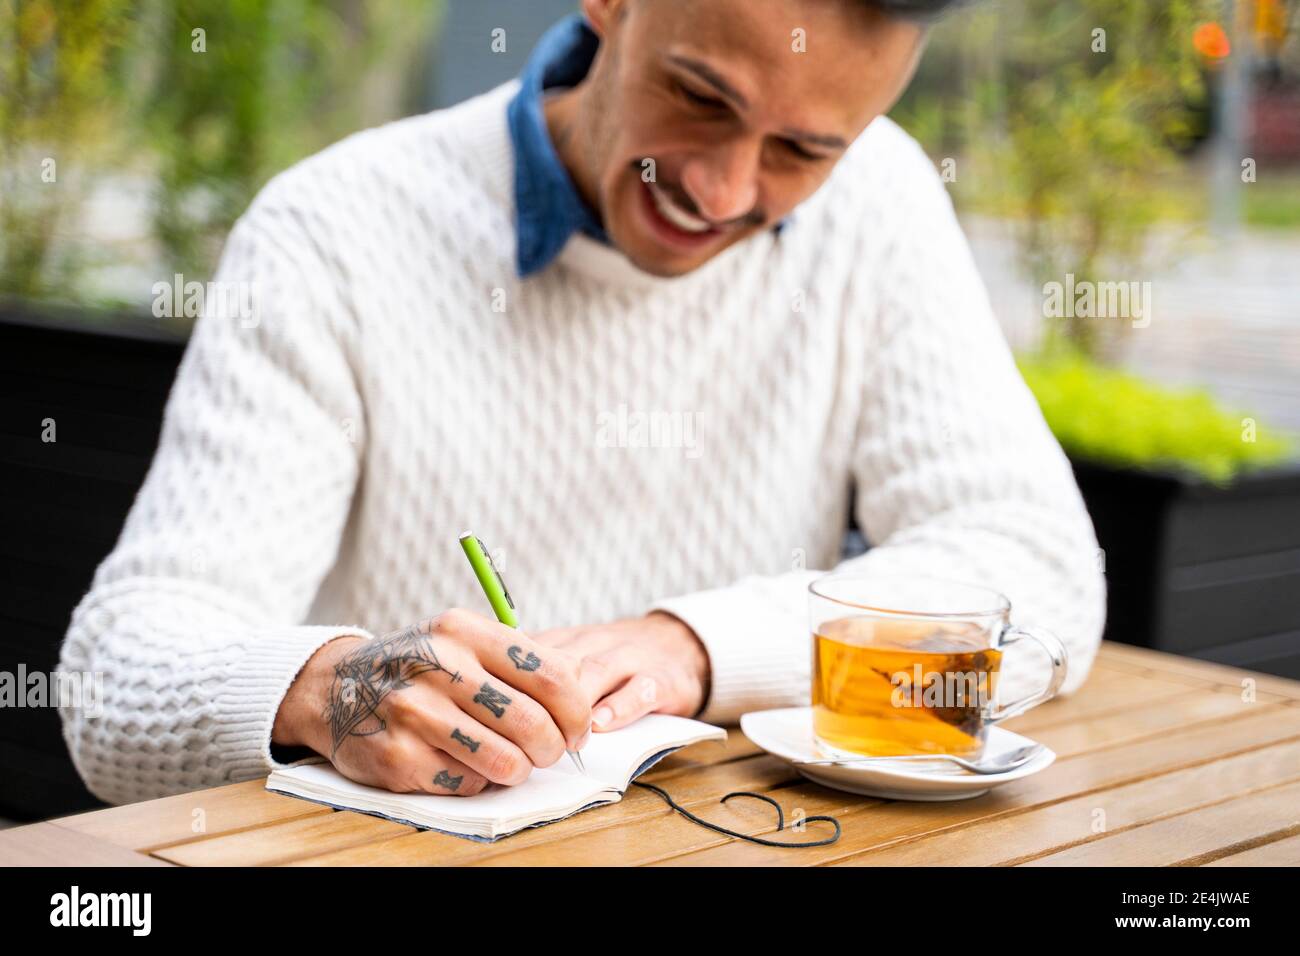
x=1000, y=763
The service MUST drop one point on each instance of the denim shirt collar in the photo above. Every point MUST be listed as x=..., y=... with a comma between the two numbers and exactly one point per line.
x=548, y=206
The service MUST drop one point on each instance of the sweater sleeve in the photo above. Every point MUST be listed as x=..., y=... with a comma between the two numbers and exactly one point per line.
x=194, y=620
x=956, y=472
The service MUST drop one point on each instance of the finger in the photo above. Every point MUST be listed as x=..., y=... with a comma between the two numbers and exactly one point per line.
x=451, y=777
x=546, y=674
x=439, y=658
x=602, y=673
x=444, y=726
x=642, y=694
x=403, y=763
x=604, y=660
x=508, y=711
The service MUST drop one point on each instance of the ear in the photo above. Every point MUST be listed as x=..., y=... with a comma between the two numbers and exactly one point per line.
x=603, y=14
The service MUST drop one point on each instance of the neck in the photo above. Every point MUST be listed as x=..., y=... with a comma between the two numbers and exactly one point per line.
x=566, y=121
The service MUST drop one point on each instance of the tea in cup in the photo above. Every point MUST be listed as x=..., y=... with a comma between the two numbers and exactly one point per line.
x=908, y=664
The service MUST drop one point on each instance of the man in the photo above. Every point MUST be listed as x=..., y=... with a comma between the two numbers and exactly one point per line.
x=687, y=215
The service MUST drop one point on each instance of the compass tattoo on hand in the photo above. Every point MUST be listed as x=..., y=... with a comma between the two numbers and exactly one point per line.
x=367, y=675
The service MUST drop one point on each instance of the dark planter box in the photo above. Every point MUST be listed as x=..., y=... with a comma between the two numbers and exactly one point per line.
x=103, y=379
x=1204, y=571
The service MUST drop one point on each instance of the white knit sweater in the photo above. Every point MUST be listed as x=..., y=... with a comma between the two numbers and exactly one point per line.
x=623, y=442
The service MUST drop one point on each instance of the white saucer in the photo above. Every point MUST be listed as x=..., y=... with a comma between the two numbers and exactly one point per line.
x=787, y=733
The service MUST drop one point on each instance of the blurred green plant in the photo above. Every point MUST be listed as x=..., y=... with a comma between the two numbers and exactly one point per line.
x=1274, y=203
x=279, y=80
x=206, y=99
x=55, y=104
x=1107, y=415
x=1068, y=129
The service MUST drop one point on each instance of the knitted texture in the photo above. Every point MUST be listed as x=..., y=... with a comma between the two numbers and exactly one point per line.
x=624, y=442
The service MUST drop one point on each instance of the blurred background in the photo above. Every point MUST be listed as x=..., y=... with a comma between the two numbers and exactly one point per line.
x=1150, y=148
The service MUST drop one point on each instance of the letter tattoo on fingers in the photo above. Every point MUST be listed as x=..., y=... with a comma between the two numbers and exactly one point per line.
x=367, y=675
x=529, y=663
x=445, y=779
x=469, y=742
x=492, y=699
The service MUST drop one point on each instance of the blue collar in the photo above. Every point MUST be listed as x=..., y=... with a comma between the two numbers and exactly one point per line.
x=548, y=207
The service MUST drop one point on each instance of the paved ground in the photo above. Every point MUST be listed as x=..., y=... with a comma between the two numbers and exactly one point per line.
x=1225, y=314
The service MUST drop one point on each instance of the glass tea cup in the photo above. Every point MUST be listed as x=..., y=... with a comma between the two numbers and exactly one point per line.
x=907, y=664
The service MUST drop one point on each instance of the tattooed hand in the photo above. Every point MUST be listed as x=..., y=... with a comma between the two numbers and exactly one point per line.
x=445, y=706
x=637, y=666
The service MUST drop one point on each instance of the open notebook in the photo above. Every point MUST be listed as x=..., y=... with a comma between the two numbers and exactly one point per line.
x=613, y=761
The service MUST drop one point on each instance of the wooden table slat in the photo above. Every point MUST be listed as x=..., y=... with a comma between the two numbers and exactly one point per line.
x=428, y=848
x=1284, y=852
x=152, y=824
x=1112, y=653
x=1110, y=694
x=1016, y=838
x=282, y=842
x=1153, y=718
x=1186, y=771
x=41, y=844
x=875, y=826
x=1193, y=838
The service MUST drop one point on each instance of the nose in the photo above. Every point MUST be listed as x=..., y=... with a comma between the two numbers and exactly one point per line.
x=723, y=181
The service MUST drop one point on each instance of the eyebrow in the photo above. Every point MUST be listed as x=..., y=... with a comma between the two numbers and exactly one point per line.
x=719, y=83
x=710, y=76
x=820, y=139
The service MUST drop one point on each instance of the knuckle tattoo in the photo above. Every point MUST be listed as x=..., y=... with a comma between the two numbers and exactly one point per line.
x=445, y=780
x=523, y=662
x=465, y=740
x=492, y=699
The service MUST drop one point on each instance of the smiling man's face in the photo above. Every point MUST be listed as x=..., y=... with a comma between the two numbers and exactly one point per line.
x=741, y=127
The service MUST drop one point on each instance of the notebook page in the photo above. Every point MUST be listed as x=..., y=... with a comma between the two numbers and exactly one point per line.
x=611, y=758
x=543, y=792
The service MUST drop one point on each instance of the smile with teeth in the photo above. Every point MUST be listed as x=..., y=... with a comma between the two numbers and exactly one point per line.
x=675, y=215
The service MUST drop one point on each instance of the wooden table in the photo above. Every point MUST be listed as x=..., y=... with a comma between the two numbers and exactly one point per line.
x=1161, y=760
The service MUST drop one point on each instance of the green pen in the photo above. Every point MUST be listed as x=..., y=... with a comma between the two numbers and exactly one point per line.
x=494, y=586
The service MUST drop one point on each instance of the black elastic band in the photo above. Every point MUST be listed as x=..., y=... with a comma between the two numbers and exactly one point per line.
x=780, y=819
